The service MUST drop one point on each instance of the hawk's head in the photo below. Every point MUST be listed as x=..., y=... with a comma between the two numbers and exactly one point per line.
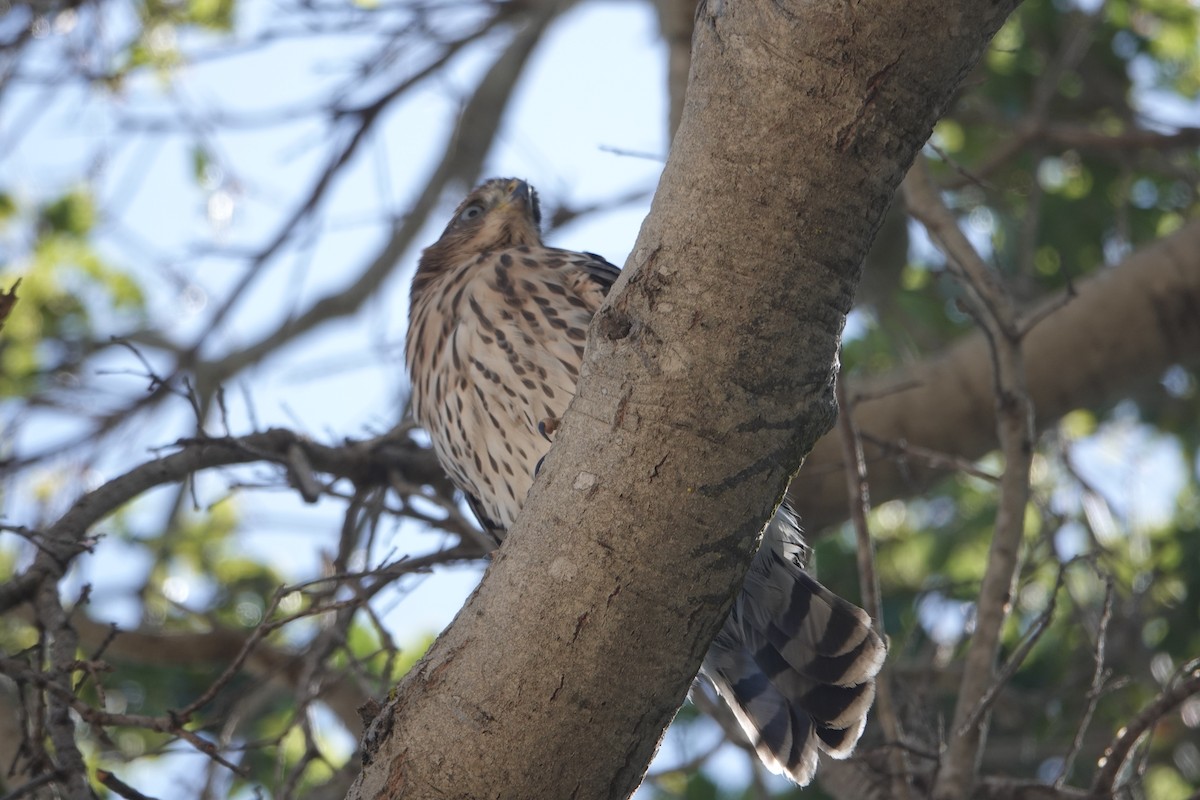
x=502, y=212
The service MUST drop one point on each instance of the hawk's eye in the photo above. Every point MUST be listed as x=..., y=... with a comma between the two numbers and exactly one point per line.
x=470, y=212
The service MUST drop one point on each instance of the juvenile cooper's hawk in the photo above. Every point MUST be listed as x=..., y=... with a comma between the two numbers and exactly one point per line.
x=497, y=325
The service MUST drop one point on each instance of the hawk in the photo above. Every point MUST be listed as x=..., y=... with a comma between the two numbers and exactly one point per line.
x=497, y=326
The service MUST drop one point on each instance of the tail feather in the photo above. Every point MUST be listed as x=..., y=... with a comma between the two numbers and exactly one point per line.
x=839, y=742
x=845, y=669
x=782, y=733
x=794, y=661
x=815, y=627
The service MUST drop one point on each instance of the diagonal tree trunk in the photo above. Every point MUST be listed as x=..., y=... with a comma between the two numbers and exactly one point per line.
x=695, y=405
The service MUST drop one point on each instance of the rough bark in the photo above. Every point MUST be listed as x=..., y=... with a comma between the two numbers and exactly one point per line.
x=708, y=376
x=1124, y=328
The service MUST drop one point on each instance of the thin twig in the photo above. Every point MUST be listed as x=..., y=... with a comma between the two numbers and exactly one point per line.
x=1099, y=677
x=931, y=457
x=31, y=786
x=868, y=578
x=884, y=392
x=1117, y=753
x=119, y=787
x=358, y=461
x=1018, y=657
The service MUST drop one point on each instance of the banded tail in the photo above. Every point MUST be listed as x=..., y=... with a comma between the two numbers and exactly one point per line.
x=795, y=662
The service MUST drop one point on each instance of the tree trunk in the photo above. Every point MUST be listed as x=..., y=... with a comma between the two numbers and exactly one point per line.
x=708, y=376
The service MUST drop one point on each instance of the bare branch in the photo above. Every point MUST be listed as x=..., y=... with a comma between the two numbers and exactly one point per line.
x=1014, y=429
x=361, y=462
x=1099, y=676
x=949, y=404
x=1016, y=659
x=1010, y=789
x=1117, y=753
x=868, y=579
x=119, y=787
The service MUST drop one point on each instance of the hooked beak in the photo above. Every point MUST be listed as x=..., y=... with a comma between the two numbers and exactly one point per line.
x=520, y=192
x=521, y=198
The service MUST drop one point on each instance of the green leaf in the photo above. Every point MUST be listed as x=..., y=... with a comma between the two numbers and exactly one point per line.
x=699, y=787
x=215, y=15
x=8, y=206
x=201, y=160
x=73, y=214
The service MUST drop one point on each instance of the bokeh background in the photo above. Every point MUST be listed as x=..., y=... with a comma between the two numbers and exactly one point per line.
x=215, y=206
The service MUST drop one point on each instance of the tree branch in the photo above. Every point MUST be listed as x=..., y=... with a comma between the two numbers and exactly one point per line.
x=361, y=462
x=1074, y=358
x=993, y=307
x=707, y=376
x=860, y=506
x=1116, y=754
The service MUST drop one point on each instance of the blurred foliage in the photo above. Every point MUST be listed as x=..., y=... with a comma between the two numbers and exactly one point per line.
x=1047, y=214
x=156, y=45
x=69, y=291
x=212, y=15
